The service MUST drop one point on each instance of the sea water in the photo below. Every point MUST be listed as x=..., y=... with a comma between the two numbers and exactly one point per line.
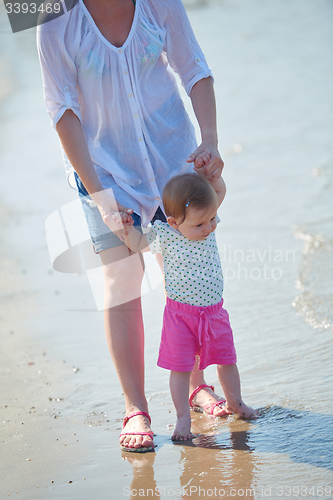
x=273, y=67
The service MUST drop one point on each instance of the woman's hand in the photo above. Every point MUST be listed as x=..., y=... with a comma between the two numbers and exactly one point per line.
x=211, y=171
x=204, y=106
x=119, y=223
x=114, y=214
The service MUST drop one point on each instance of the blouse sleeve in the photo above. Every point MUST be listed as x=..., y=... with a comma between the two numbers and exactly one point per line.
x=154, y=241
x=56, y=48
x=183, y=51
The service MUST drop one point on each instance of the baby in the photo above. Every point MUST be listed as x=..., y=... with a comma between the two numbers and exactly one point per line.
x=194, y=321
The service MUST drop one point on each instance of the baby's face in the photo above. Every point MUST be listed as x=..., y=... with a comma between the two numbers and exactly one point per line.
x=199, y=223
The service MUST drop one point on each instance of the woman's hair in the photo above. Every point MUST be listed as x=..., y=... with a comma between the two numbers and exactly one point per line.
x=186, y=190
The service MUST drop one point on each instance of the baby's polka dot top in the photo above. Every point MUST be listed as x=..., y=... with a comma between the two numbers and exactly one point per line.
x=192, y=269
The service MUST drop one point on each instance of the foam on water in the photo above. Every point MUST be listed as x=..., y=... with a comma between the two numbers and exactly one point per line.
x=315, y=302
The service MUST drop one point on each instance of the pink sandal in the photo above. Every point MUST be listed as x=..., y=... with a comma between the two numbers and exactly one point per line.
x=142, y=449
x=209, y=407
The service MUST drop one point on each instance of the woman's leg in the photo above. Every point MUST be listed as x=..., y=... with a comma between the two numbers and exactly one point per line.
x=123, y=273
x=179, y=385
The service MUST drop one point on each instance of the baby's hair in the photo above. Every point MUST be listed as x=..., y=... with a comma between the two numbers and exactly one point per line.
x=186, y=190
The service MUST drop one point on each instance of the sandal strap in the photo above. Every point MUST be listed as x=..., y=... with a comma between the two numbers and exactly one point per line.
x=209, y=407
x=151, y=434
x=126, y=419
x=195, y=392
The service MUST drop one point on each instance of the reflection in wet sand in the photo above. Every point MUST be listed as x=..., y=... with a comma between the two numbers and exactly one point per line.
x=143, y=483
x=219, y=461
x=230, y=457
x=227, y=462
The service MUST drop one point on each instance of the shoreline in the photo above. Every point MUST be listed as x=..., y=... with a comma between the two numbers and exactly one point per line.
x=34, y=392
x=34, y=385
x=62, y=405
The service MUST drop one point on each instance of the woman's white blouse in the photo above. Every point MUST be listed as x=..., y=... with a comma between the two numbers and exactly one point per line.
x=138, y=132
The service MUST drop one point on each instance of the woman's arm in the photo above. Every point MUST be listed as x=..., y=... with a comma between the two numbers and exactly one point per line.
x=188, y=61
x=204, y=106
x=75, y=145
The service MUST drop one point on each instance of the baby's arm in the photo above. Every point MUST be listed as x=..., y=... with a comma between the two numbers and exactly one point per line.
x=220, y=188
x=125, y=231
x=218, y=185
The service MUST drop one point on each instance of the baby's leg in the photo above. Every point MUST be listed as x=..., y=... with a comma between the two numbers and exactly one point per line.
x=229, y=379
x=179, y=387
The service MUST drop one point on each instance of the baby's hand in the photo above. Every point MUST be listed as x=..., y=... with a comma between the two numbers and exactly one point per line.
x=202, y=159
x=122, y=218
x=118, y=222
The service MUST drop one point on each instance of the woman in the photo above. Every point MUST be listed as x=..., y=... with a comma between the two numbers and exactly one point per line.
x=113, y=100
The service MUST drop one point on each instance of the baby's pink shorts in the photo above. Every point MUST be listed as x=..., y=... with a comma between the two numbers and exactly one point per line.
x=189, y=330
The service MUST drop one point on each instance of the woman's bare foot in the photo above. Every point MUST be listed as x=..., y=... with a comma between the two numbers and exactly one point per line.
x=182, y=431
x=138, y=423
x=206, y=397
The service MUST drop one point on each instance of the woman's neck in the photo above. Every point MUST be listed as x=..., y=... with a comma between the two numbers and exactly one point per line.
x=113, y=18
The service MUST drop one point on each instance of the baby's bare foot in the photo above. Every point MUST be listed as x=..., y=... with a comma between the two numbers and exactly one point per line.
x=246, y=412
x=182, y=431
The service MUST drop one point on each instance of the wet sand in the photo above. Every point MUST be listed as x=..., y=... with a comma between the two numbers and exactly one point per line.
x=61, y=404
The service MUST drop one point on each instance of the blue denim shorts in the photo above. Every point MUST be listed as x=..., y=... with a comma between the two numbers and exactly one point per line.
x=101, y=235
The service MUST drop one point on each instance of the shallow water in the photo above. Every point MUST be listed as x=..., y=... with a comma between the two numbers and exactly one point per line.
x=273, y=68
